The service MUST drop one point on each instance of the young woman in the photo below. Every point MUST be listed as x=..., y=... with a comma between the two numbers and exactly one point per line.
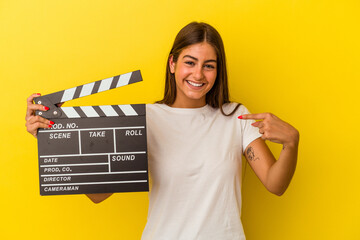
x=196, y=139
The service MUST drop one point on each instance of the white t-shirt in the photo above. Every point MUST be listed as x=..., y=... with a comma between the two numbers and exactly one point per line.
x=195, y=169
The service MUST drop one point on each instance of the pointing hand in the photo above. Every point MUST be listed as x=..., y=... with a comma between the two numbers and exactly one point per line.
x=273, y=128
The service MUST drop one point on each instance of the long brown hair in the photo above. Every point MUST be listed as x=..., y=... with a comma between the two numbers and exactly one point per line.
x=194, y=33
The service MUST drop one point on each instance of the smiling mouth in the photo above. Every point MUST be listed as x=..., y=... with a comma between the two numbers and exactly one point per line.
x=195, y=84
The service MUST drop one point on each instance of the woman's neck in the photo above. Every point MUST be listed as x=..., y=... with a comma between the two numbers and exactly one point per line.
x=189, y=103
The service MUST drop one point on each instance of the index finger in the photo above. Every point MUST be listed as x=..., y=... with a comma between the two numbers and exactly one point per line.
x=31, y=98
x=30, y=105
x=255, y=116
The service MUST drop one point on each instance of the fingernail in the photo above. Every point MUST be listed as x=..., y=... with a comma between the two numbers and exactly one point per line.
x=51, y=122
x=240, y=117
x=46, y=108
x=49, y=126
x=38, y=94
x=252, y=124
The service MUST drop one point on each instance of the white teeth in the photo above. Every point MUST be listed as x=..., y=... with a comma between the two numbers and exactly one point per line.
x=195, y=84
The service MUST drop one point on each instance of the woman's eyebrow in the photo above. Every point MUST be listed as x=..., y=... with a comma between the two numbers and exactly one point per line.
x=189, y=56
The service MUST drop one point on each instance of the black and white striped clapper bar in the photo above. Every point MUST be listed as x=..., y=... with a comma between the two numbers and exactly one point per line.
x=93, y=149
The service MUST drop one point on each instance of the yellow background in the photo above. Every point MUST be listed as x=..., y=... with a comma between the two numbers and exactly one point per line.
x=297, y=59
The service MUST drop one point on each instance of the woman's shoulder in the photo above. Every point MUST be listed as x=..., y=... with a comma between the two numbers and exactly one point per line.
x=229, y=107
x=157, y=107
x=154, y=107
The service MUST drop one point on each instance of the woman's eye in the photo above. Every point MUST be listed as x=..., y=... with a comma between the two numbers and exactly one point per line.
x=190, y=63
x=209, y=66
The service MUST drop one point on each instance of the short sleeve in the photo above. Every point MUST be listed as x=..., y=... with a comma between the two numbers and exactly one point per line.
x=250, y=133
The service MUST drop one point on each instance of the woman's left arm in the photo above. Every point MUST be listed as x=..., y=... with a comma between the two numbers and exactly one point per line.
x=275, y=175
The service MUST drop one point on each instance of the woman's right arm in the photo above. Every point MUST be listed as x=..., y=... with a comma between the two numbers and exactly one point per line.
x=33, y=123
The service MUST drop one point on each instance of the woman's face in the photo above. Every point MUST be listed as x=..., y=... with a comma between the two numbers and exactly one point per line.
x=195, y=73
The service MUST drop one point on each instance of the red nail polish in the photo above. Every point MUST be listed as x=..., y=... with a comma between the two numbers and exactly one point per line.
x=51, y=122
x=240, y=117
x=49, y=126
x=46, y=108
x=38, y=94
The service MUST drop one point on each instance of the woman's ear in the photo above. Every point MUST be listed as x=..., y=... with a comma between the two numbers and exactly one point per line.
x=172, y=64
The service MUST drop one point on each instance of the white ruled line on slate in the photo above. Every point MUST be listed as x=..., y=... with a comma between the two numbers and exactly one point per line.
x=91, y=154
x=95, y=173
x=71, y=165
x=92, y=183
x=91, y=129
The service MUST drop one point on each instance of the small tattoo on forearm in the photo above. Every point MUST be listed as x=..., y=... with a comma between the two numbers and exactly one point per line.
x=251, y=154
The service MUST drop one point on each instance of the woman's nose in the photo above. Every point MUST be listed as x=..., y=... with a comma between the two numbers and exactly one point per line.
x=198, y=73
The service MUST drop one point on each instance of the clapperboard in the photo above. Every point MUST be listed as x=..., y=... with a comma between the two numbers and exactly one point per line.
x=93, y=149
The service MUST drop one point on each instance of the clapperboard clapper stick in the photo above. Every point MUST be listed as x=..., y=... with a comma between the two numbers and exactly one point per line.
x=93, y=149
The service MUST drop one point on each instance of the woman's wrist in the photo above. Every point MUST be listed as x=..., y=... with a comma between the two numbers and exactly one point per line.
x=293, y=143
